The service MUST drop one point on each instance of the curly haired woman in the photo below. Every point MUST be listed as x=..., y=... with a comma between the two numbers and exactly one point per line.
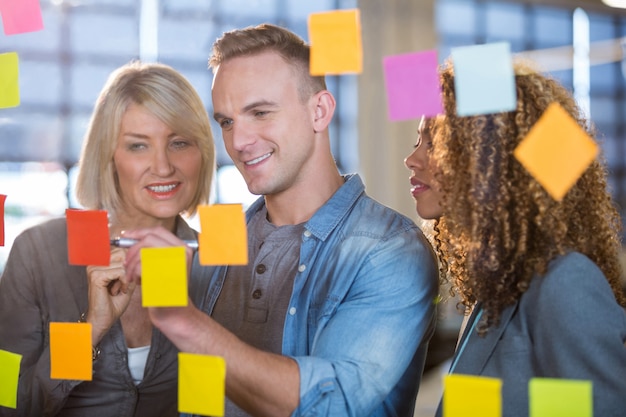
x=540, y=277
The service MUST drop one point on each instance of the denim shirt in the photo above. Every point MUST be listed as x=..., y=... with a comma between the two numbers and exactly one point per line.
x=362, y=308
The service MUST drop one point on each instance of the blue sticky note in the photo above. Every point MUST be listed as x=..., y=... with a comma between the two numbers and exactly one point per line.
x=412, y=85
x=484, y=79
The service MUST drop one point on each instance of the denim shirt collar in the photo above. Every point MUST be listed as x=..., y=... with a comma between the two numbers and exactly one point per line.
x=332, y=213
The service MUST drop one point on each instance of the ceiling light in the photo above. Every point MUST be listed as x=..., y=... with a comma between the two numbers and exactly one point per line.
x=615, y=3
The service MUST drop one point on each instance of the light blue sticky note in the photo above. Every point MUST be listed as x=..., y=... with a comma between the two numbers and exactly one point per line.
x=484, y=79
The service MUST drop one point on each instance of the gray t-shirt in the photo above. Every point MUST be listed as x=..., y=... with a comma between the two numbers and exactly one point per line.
x=255, y=297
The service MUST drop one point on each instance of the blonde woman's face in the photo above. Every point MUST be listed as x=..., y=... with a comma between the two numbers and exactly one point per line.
x=424, y=188
x=158, y=170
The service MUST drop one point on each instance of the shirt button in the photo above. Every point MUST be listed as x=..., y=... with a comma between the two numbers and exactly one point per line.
x=260, y=268
x=307, y=233
x=301, y=268
x=257, y=294
x=292, y=311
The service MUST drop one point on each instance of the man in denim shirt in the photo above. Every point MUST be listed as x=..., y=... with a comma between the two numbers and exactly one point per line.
x=333, y=313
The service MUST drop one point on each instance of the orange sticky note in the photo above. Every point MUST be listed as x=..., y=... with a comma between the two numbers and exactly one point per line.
x=223, y=239
x=88, y=237
x=2, y=200
x=70, y=351
x=336, y=44
x=20, y=16
x=201, y=384
x=164, y=277
x=9, y=376
x=9, y=80
x=549, y=397
x=556, y=151
x=471, y=396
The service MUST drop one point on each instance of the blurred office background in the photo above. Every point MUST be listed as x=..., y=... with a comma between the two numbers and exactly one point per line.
x=63, y=67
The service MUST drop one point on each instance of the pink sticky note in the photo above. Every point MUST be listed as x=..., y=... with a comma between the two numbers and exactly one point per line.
x=19, y=16
x=412, y=84
x=88, y=237
x=2, y=199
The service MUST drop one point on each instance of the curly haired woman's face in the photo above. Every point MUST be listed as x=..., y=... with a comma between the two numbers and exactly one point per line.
x=424, y=188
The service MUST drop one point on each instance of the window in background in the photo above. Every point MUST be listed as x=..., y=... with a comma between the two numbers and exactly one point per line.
x=64, y=66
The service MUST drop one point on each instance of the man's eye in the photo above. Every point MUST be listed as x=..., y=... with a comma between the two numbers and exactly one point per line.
x=226, y=123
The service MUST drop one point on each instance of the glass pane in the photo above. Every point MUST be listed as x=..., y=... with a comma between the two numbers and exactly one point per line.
x=553, y=27
x=105, y=34
x=505, y=21
x=40, y=82
x=456, y=17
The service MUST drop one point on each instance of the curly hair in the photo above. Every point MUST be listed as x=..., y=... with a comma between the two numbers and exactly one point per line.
x=500, y=227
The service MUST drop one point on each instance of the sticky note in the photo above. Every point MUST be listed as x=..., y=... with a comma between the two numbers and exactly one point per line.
x=164, y=277
x=9, y=377
x=336, y=44
x=88, y=237
x=223, y=236
x=556, y=151
x=70, y=351
x=2, y=200
x=9, y=80
x=472, y=396
x=412, y=85
x=484, y=79
x=20, y=16
x=550, y=397
x=201, y=384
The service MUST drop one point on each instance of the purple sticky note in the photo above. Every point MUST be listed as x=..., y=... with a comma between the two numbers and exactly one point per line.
x=412, y=84
x=19, y=16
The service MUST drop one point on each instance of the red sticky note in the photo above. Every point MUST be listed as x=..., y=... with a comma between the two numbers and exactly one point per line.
x=412, y=85
x=20, y=16
x=2, y=199
x=88, y=237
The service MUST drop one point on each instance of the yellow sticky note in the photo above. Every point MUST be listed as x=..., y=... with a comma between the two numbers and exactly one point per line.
x=70, y=351
x=9, y=376
x=556, y=151
x=549, y=397
x=9, y=80
x=223, y=239
x=471, y=396
x=201, y=384
x=164, y=277
x=336, y=44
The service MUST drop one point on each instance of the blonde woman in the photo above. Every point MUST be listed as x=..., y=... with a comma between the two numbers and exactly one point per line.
x=148, y=156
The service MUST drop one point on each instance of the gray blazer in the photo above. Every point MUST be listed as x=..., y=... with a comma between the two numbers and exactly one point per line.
x=566, y=325
x=37, y=287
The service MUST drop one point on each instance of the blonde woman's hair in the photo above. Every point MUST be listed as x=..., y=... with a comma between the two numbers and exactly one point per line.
x=166, y=94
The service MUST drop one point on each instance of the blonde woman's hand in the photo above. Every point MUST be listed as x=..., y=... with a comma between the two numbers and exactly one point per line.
x=109, y=294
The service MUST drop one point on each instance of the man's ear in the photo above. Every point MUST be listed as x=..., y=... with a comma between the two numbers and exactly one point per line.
x=324, y=103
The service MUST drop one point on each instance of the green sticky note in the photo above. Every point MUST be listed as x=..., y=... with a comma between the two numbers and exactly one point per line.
x=9, y=375
x=201, y=384
x=549, y=397
x=9, y=80
x=471, y=396
x=164, y=277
